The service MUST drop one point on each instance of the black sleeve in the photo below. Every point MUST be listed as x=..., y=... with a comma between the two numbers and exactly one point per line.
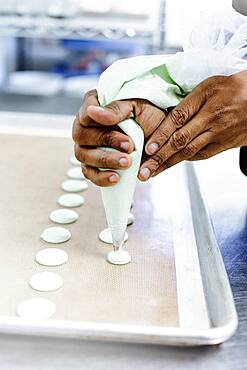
x=240, y=6
x=243, y=160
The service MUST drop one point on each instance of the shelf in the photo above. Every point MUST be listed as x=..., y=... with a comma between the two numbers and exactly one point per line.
x=113, y=26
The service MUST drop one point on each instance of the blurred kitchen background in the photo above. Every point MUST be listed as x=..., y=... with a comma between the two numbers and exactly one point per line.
x=52, y=51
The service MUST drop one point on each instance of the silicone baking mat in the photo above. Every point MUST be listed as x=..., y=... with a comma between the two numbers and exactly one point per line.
x=143, y=292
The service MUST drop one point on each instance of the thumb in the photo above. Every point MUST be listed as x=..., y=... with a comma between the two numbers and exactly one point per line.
x=148, y=116
x=112, y=113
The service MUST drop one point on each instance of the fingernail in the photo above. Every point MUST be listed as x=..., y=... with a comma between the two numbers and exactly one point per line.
x=152, y=148
x=113, y=178
x=123, y=162
x=145, y=173
x=125, y=145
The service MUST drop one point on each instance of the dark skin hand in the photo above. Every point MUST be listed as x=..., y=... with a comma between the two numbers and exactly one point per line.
x=95, y=127
x=210, y=120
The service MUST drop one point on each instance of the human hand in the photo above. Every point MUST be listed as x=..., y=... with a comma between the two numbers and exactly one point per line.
x=95, y=127
x=210, y=120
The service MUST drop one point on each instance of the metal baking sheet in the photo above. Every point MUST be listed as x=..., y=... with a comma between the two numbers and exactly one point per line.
x=174, y=292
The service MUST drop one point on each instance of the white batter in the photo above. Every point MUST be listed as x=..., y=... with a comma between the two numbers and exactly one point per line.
x=64, y=216
x=56, y=235
x=51, y=257
x=71, y=200
x=74, y=186
x=74, y=161
x=36, y=309
x=75, y=173
x=117, y=199
x=106, y=237
x=120, y=257
x=46, y=281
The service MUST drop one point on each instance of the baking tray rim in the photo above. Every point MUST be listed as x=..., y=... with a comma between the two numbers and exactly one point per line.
x=122, y=333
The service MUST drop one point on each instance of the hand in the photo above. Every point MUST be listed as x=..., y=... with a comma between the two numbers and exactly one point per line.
x=95, y=126
x=210, y=120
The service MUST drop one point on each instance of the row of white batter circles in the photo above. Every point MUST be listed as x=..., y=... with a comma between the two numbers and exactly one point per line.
x=46, y=281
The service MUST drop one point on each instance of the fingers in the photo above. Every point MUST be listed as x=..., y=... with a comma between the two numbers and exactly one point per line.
x=94, y=137
x=90, y=99
x=102, y=159
x=186, y=153
x=209, y=151
x=181, y=142
x=177, y=119
x=100, y=178
x=147, y=115
x=111, y=114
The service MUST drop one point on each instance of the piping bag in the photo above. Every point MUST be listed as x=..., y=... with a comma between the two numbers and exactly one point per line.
x=117, y=199
x=216, y=46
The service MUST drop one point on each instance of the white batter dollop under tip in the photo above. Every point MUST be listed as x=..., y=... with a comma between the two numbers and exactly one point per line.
x=56, y=235
x=121, y=257
x=106, y=237
x=36, y=309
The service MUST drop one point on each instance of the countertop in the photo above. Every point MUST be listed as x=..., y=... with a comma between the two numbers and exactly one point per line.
x=225, y=188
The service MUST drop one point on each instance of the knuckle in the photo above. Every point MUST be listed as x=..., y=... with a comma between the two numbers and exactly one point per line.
x=162, y=135
x=108, y=138
x=86, y=172
x=80, y=154
x=75, y=130
x=180, y=139
x=214, y=80
x=179, y=116
x=209, y=82
x=77, y=152
x=114, y=106
x=87, y=97
x=90, y=175
x=139, y=106
x=90, y=93
x=189, y=150
x=158, y=159
x=104, y=160
x=213, y=84
x=83, y=156
x=202, y=155
x=219, y=116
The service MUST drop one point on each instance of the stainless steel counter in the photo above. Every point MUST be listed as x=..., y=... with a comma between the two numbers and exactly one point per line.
x=226, y=192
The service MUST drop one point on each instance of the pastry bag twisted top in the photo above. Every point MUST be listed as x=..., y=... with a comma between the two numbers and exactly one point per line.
x=215, y=47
